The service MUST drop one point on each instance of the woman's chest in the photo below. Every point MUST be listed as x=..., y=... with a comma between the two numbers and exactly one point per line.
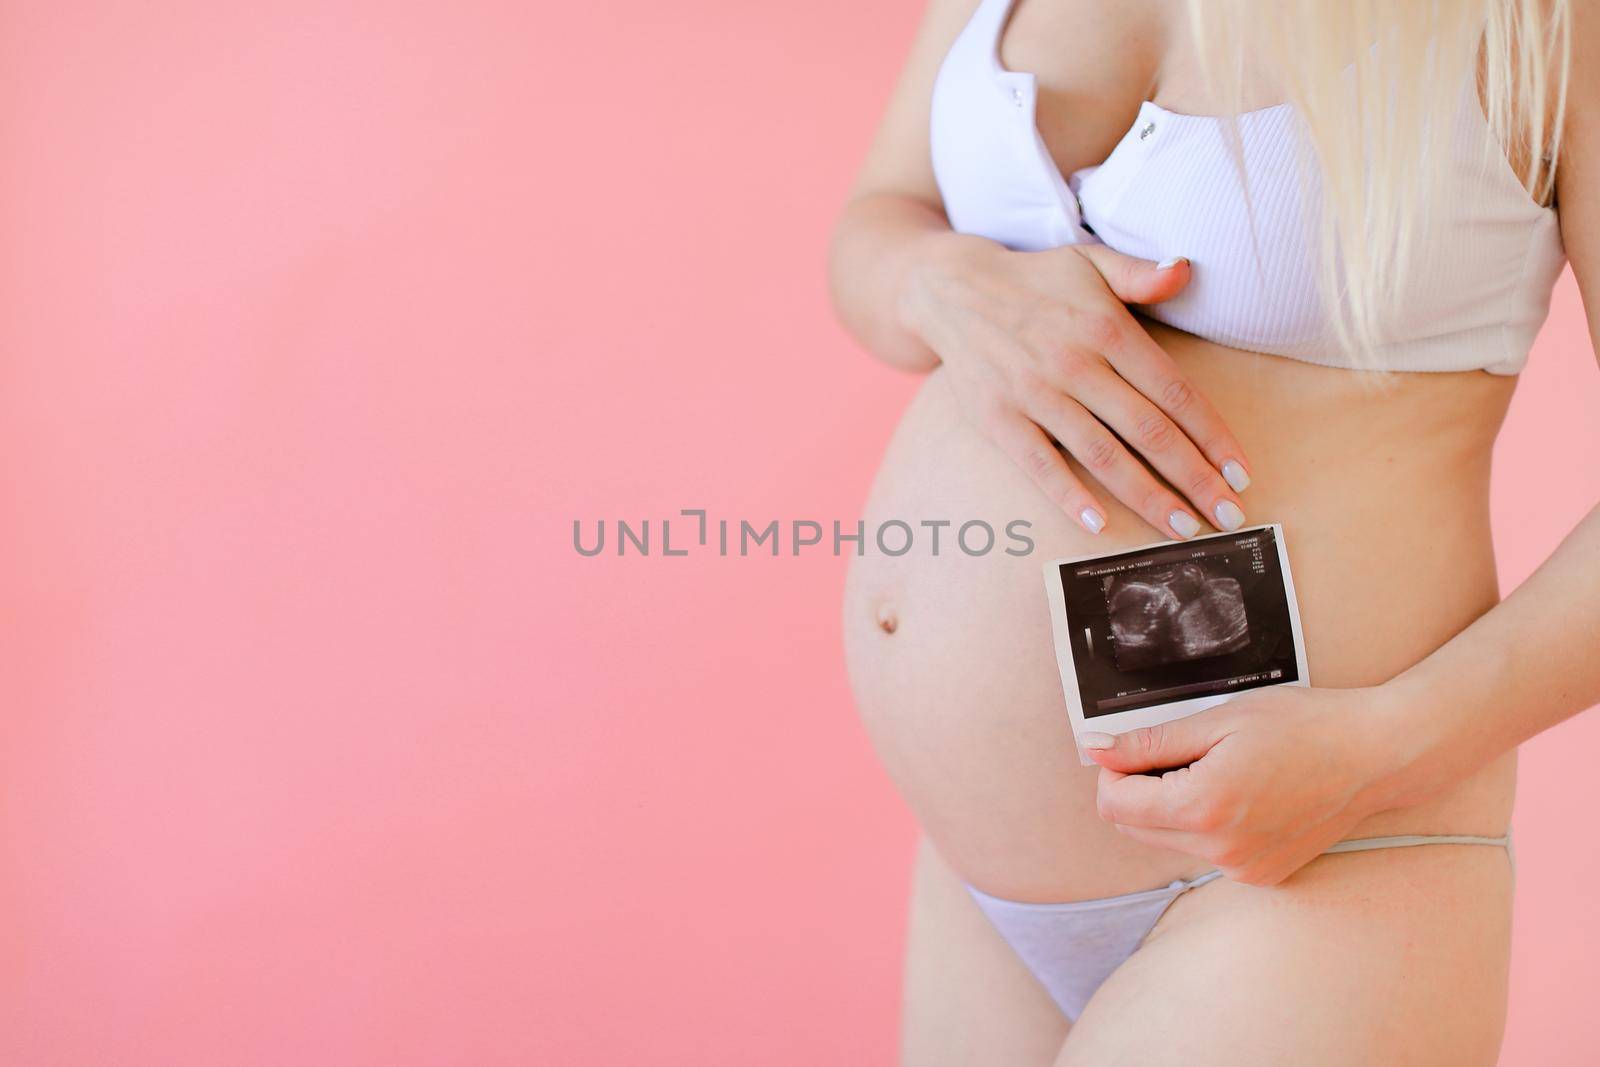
x=1144, y=180
x=1092, y=64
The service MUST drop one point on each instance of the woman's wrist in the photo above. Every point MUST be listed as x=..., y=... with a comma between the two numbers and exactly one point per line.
x=1424, y=736
x=937, y=261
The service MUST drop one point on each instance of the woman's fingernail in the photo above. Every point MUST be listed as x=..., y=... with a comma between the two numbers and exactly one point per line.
x=1233, y=473
x=1168, y=264
x=1229, y=517
x=1092, y=520
x=1183, y=523
x=1097, y=741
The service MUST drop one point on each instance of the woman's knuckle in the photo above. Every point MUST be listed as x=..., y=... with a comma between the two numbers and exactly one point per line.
x=1154, y=431
x=1065, y=418
x=1154, y=503
x=1040, y=462
x=1101, y=330
x=1071, y=364
x=1029, y=382
x=1202, y=483
x=1099, y=452
x=1176, y=395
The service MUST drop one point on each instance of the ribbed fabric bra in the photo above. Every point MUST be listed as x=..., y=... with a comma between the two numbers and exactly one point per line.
x=1173, y=186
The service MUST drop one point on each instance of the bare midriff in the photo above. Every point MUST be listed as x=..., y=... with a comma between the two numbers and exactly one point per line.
x=1383, y=494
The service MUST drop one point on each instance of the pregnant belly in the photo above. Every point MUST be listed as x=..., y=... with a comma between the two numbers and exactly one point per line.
x=1383, y=498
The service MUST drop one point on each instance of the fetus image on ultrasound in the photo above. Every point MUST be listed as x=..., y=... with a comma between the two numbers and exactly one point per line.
x=1172, y=614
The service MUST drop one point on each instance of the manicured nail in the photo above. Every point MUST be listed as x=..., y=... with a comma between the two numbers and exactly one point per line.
x=1229, y=517
x=1097, y=741
x=1092, y=520
x=1233, y=473
x=1168, y=264
x=1183, y=523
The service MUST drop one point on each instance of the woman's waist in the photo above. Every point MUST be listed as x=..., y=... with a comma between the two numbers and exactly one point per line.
x=1378, y=588
x=1388, y=543
x=1304, y=427
x=1459, y=408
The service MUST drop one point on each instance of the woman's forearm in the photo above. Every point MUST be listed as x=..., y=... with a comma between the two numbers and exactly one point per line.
x=1531, y=662
x=880, y=240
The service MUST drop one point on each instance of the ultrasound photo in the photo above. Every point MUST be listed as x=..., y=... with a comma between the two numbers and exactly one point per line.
x=1150, y=634
x=1176, y=613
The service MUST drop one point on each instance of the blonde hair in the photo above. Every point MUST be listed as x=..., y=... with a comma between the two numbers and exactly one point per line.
x=1377, y=86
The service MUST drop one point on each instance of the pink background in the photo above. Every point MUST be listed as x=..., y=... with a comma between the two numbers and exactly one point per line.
x=319, y=324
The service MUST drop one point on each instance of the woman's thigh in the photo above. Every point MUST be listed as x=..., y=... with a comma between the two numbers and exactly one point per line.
x=968, y=1000
x=1397, y=956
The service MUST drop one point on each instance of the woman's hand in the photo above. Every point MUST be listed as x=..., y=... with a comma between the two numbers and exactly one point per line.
x=1273, y=778
x=1042, y=349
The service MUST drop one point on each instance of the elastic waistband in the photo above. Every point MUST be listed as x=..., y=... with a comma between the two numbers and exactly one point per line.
x=1361, y=844
x=1357, y=844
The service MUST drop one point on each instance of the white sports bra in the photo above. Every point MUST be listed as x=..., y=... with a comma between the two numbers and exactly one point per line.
x=1173, y=187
